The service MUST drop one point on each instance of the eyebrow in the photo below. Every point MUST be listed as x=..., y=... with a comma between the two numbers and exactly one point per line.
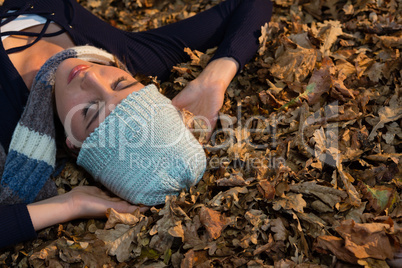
x=96, y=115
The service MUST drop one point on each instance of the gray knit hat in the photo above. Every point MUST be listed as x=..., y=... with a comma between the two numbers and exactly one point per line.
x=142, y=151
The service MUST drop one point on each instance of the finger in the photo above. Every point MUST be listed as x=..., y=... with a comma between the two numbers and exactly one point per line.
x=125, y=207
x=93, y=190
x=144, y=209
x=97, y=192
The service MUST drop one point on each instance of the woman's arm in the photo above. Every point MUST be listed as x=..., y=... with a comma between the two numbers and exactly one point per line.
x=19, y=222
x=15, y=225
x=234, y=26
x=81, y=202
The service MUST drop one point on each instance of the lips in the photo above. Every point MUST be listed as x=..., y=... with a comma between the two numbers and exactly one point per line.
x=76, y=71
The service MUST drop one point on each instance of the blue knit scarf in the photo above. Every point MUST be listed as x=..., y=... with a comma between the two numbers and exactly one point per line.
x=27, y=168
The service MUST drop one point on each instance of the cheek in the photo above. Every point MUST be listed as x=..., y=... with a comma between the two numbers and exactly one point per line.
x=69, y=112
x=74, y=128
x=69, y=101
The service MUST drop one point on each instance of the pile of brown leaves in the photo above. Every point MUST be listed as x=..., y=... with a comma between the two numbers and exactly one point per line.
x=306, y=170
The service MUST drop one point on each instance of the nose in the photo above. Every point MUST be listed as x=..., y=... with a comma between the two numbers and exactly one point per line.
x=93, y=82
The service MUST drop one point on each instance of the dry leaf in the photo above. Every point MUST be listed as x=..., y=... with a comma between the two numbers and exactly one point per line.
x=115, y=217
x=213, y=221
x=118, y=241
x=386, y=114
x=329, y=32
x=290, y=201
x=293, y=62
x=367, y=240
x=279, y=229
x=266, y=189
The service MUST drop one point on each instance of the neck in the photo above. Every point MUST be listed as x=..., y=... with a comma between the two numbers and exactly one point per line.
x=29, y=61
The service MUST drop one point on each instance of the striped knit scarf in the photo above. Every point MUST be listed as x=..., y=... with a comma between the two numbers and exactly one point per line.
x=27, y=168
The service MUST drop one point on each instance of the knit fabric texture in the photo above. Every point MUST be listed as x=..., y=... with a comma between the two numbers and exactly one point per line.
x=27, y=167
x=142, y=151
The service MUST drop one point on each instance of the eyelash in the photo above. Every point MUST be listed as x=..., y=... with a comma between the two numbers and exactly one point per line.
x=85, y=110
x=114, y=86
x=118, y=80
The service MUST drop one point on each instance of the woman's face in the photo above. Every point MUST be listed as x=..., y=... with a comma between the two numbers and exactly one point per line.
x=86, y=93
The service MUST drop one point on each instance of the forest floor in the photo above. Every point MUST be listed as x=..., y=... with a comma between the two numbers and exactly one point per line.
x=307, y=169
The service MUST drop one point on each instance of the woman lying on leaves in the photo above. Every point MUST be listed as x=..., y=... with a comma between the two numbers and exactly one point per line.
x=56, y=59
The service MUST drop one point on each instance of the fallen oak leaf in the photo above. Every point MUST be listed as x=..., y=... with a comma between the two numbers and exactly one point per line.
x=195, y=259
x=385, y=157
x=213, y=221
x=316, y=226
x=115, y=217
x=329, y=32
x=290, y=202
x=389, y=41
x=91, y=255
x=45, y=254
x=229, y=197
x=379, y=197
x=191, y=237
x=277, y=226
x=182, y=82
x=197, y=57
x=386, y=114
x=232, y=180
x=263, y=39
x=266, y=189
x=118, y=241
x=273, y=89
x=257, y=219
x=336, y=246
x=328, y=195
x=294, y=63
x=345, y=68
x=323, y=80
x=368, y=240
x=169, y=226
x=339, y=90
x=348, y=8
x=320, y=206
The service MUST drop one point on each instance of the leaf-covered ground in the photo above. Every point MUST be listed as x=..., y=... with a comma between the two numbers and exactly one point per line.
x=306, y=170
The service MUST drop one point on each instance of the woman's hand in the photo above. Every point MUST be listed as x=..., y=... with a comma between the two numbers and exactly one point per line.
x=204, y=95
x=81, y=202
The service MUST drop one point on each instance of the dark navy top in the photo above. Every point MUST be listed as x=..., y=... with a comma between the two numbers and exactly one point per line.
x=233, y=25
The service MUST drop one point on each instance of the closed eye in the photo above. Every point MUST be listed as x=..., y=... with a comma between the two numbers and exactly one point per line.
x=117, y=82
x=86, y=108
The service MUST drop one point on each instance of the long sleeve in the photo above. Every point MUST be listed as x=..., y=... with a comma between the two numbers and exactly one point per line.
x=233, y=25
x=15, y=225
x=244, y=28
